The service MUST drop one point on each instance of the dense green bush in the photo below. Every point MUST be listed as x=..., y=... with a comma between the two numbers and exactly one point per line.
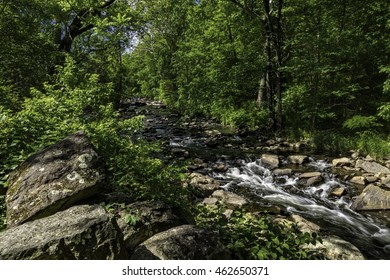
x=80, y=101
x=250, y=236
x=374, y=144
x=333, y=142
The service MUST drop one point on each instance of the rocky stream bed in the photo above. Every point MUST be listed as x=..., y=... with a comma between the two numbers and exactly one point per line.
x=55, y=198
x=347, y=196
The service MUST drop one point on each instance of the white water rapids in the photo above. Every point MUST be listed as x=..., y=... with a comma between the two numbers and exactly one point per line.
x=314, y=203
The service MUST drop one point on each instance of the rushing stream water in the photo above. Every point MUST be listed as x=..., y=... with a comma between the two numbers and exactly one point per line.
x=245, y=174
x=315, y=203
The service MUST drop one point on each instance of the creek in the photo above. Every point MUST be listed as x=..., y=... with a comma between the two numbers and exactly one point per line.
x=233, y=158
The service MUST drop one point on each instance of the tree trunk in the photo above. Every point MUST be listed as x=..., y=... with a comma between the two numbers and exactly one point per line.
x=279, y=60
x=78, y=27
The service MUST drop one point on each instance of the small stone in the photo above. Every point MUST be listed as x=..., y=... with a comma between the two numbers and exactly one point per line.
x=369, y=158
x=283, y=172
x=220, y=167
x=198, y=161
x=180, y=152
x=210, y=201
x=231, y=200
x=355, y=155
x=358, y=180
x=370, y=178
x=340, y=162
x=228, y=213
x=270, y=161
x=205, y=185
x=305, y=225
x=339, y=191
x=314, y=180
x=297, y=159
x=309, y=175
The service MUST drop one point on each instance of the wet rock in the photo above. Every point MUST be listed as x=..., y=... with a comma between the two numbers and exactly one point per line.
x=339, y=191
x=141, y=220
x=270, y=161
x=220, y=167
x=341, y=162
x=372, y=167
x=335, y=248
x=370, y=178
x=185, y=242
x=283, y=172
x=54, y=179
x=314, y=180
x=358, y=180
x=309, y=179
x=213, y=133
x=211, y=201
x=385, y=181
x=372, y=198
x=305, y=225
x=355, y=155
x=79, y=233
x=231, y=200
x=204, y=185
x=179, y=152
x=309, y=175
x=369, y=158
x=297, y=159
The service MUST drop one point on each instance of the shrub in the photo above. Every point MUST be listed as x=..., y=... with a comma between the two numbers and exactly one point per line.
x=79, y=101
x=333, y=142
x=374, y=144
x=256, y=237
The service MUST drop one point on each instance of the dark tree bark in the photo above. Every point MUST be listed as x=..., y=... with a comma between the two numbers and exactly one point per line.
x=271, y=82
x=78, y=27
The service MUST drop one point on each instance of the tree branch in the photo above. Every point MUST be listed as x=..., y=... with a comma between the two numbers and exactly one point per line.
x=76, y=27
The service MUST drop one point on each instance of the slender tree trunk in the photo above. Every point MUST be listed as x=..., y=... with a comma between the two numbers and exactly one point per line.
x=268, y=45
x=279, y=60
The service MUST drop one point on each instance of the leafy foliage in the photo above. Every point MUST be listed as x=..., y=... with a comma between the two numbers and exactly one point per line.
x=79, y=101
x=359, y=122
x=256, y=237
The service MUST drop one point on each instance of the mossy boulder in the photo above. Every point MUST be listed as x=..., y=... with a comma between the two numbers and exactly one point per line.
x=54, y=179
x=84, y=232
x=186, y=242
x=142, y=219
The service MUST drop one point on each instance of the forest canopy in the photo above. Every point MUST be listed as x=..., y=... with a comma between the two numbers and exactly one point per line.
x=306, y=69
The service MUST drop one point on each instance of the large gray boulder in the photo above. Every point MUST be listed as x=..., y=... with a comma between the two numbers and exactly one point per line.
x=83, y=232
x=185, y=242
x=54, y=179
x=335, y=248
x=141, y=220
x=372, y=198
x=372, y=167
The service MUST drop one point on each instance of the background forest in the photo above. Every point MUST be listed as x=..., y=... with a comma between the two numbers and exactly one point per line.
x=304, y=69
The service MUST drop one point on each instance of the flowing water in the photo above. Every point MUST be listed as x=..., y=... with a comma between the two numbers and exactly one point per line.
x=250, y=178
x=315, y=203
